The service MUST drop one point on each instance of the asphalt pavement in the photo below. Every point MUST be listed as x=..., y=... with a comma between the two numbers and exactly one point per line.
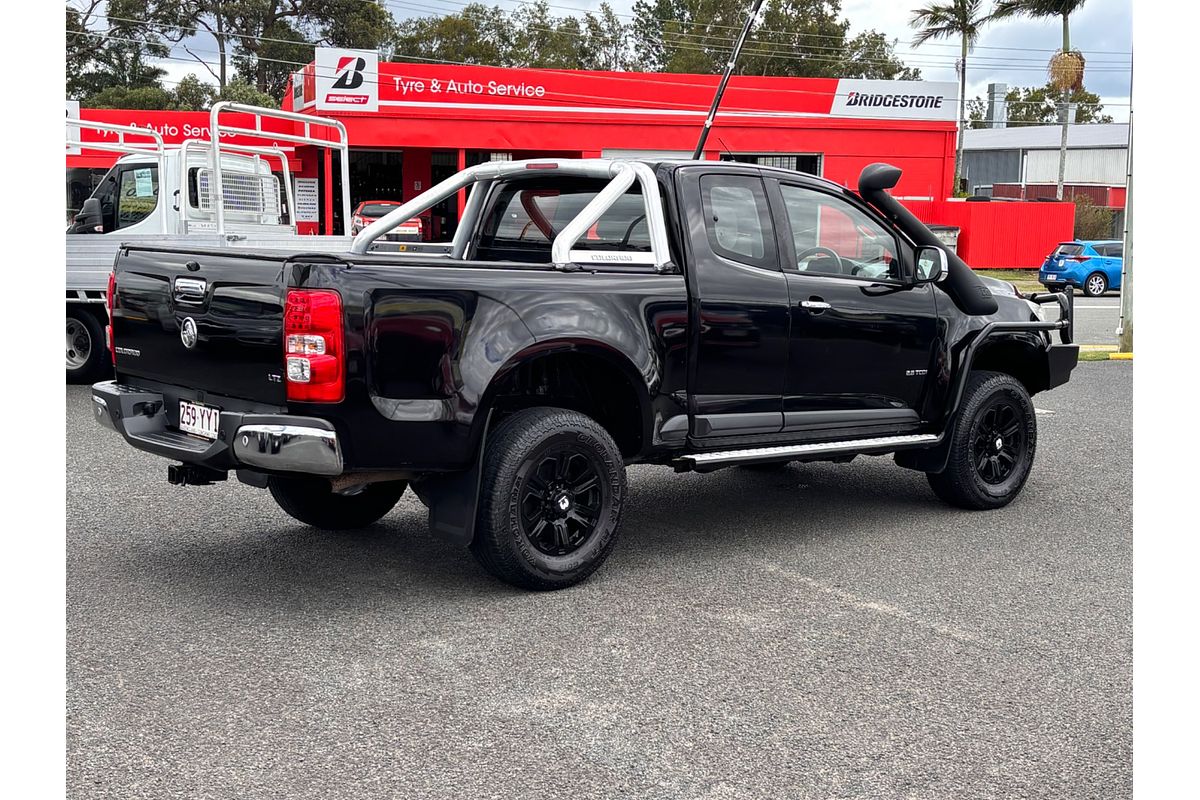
x=1096, y=319
x=832, y=631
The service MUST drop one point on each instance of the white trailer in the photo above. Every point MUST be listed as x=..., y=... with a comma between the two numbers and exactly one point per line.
x=159, y=195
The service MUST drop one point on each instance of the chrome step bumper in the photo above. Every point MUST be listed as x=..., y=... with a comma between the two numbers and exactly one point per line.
x=267, y=441
x=876, y=445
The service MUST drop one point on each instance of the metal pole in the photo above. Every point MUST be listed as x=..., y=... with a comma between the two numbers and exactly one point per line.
x=1125, y=325
x=733, y=57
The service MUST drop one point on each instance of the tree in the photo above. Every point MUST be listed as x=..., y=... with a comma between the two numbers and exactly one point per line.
x=478, y=34
x=872, y=55
x=241, y=92
x=1039, y=106
x=266, y=40
x=192, y=94
x=116, y=56
x=1066, y=66
x=963, y=19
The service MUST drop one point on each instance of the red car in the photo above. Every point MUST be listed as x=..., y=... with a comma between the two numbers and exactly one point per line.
x=369, y=211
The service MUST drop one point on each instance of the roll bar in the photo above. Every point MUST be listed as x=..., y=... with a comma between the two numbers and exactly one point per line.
x=155, y=149
x=622, y=174
x=276, y=152
x=308, y=121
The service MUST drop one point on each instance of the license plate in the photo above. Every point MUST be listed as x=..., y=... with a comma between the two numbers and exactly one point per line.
x=198, y=419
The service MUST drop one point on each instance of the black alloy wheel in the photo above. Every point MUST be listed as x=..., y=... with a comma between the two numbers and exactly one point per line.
x=998, y=441
x=561, y=500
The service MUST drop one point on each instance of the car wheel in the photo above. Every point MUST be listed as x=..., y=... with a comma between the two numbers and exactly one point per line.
x=992, y=448
x=1095, y=285
x=311, y=501
x=87, y=355
x=551, y=494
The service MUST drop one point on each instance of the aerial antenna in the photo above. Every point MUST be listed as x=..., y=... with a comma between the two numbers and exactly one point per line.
x=733, y=57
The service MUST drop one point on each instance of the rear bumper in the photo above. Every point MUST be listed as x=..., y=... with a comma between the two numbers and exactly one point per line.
x=268, y=442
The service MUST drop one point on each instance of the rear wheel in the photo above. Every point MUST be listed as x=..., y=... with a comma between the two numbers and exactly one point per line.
x=311, y=501
x=551, y=495
x=87, y=357
x=1095, y=285
x=992, y=449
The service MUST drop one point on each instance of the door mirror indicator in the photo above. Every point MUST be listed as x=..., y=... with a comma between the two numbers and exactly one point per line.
x=932, y=266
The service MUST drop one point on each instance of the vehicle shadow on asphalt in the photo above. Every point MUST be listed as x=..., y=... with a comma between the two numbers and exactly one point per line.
x=271, y=560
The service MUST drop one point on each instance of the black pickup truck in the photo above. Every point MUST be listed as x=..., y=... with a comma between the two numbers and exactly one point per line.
x=587, y=314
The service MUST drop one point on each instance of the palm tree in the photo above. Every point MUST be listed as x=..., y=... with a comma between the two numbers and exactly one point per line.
x=961, y=18
x=1066, y=66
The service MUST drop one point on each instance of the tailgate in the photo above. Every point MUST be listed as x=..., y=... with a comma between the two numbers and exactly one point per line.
x=207, y=320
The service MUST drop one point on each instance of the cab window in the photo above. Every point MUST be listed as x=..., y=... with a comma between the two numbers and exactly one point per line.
x=832, y=237
x=527, y=215
x=137, y=195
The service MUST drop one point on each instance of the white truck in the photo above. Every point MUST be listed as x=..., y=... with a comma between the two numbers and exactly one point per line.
x=158, y=195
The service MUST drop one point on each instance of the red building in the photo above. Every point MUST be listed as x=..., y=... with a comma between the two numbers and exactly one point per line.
x=412, y=125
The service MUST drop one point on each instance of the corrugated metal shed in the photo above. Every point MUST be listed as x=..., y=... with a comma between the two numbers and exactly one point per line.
x=1045, y=137
x=988, y=167
x=1103, y=166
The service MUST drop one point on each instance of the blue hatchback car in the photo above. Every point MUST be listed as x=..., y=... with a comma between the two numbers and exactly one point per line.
x=1094, y=266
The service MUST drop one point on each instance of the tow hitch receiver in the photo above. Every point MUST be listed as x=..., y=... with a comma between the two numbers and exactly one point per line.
x=192, y=475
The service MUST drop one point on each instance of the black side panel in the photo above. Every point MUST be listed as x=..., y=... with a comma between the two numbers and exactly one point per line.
x=238, y=318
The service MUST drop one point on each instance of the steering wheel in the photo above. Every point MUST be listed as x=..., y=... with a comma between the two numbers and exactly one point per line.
x=804, y=255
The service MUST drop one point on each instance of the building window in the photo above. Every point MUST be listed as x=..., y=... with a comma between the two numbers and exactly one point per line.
x=799, y=162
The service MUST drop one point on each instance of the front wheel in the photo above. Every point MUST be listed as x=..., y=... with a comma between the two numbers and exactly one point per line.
x=1095, y=285
x=311, y=501
x=551, y=494
x=992, y=449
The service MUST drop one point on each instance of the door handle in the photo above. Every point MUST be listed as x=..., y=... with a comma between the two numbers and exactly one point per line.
x=816, y=304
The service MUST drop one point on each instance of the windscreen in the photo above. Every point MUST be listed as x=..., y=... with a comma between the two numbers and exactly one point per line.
x=378, y=209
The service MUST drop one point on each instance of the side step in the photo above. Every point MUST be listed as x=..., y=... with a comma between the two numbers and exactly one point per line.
x=882, y=444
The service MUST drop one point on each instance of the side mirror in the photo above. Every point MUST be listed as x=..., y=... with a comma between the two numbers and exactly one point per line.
x=931, y=265
x=90, y=218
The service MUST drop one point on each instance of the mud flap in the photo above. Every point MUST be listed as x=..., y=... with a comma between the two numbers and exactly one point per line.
x=453, y=498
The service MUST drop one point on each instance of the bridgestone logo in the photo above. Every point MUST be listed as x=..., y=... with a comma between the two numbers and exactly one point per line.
x=894, y=100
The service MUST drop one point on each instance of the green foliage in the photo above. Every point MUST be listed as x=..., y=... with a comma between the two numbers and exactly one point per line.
x=1039, y=106
x=1092, y=221
x=144, y=98
x=192, y=94
x=954, y=19
x=242, y=92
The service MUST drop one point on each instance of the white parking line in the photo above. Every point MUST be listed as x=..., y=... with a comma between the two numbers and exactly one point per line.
x=1042, y=411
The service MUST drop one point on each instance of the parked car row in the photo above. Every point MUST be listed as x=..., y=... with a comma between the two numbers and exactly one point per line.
x=1091, y=265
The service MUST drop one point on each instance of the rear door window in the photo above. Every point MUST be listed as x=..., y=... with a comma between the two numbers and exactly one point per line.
x=738, y=219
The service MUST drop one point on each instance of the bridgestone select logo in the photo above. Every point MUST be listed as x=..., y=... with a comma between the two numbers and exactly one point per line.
x=863, y=99
x=349, y=76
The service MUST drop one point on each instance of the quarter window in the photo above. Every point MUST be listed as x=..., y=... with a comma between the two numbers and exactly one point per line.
x=737, y=219
x=832, y=237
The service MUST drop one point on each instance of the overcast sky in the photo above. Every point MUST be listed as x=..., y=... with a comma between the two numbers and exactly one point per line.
x=1012, y=52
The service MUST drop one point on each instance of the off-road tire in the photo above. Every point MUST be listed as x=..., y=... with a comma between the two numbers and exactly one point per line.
x=518, y=493
x=975, y=475
x=87, y=356
x=311, y=501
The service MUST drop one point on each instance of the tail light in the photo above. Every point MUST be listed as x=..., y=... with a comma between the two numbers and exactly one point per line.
x=110, y=302
x=314, y=356
x=1079, y=259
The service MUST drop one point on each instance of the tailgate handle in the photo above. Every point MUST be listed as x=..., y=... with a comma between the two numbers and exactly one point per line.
x=190, y=290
